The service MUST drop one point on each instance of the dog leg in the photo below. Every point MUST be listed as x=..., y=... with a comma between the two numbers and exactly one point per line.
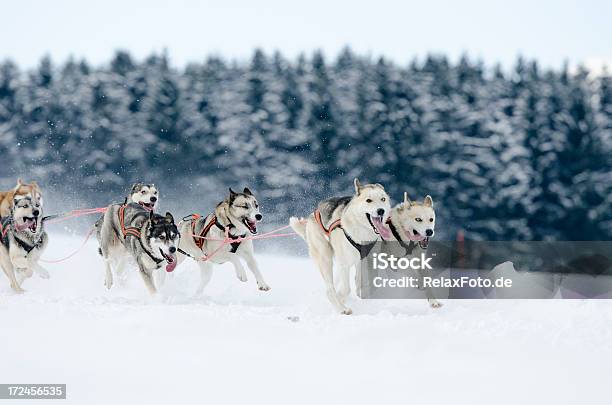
x=120, y=271
x=108, y=278
x=148, y=280
x=261, y=283
x=205, y=276
x=10, y=273
x=160, y=278
x=23, y=273
x=238, y=267
x=358, y=281
x=344, y=283
x=325, y=264
x=9, y=270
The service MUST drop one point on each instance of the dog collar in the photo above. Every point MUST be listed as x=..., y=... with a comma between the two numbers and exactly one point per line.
x=364, y=250
x=408, y=247
x=234, y=245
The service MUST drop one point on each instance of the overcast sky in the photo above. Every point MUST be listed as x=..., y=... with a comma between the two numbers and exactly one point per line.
x=496, y=31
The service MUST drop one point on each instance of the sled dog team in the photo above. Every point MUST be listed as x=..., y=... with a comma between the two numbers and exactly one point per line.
x=341, y=230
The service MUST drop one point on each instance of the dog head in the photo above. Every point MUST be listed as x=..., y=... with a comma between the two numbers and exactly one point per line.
x=372, y=201
x=145, y=195
x=27, y=214
x=27, y=189
x=164, y=238
x=417, y=220
x=243, y=210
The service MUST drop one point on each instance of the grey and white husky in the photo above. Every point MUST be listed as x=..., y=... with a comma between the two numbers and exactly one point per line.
x=345, y=229
x=237, y=215
x=412, y=224
x=149, y=238
x=22, y=241
x=147, y=196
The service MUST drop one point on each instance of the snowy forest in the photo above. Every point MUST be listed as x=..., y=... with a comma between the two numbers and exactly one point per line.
x=517, y=153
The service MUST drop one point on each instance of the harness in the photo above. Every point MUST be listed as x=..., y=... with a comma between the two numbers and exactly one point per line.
x=129, y=231
x=200, y=238
x=363, y=249
x=408, y=247
x=135, y=232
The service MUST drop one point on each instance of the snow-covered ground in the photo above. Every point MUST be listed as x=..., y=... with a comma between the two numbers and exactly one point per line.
x=239, y=345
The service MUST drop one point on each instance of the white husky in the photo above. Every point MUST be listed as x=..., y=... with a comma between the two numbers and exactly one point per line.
x=345, y=228
x=412, y=224
x=236, y=216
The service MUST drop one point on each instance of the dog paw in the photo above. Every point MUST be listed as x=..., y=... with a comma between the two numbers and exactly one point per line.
x=347, y=311
x=108, y=284
x=435, y=304
x=263, y=287
x=17, y=289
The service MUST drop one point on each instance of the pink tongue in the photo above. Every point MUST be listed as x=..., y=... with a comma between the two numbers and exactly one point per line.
x=382, y=229
x=25, y=225
x=171, y=266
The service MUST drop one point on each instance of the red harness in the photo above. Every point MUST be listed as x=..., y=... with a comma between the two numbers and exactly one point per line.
x=334, y=225
x=129, y=231
x=363, y=249
x=199, y=238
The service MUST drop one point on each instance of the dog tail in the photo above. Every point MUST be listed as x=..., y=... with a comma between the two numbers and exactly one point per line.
x=299, y=226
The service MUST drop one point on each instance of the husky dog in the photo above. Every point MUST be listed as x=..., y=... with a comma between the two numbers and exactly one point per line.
x=149, y=238
x=22, y=241
x=345, y=229
x=237, y=216
x=21, y=189
x=145, y=195
x=412, y=224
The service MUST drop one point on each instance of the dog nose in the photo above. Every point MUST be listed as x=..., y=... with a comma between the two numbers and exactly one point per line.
x=429, y=232
x=35, y=213
x=258, y=217
x=172, y=249
x=153, y=199
x=380, y=212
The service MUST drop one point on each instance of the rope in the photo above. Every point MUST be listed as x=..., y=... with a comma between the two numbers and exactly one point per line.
x=268, y=235
x=73, y=253
x=74, y=214
x=89, y=211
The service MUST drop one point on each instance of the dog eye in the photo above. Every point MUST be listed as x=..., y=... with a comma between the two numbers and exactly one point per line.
x=368, y=200
x=383, y=199
x=430, y=219
x=143, y=192
x=162, y=237
x=418, y=219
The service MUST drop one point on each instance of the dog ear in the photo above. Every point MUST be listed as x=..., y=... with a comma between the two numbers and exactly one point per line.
x=247, y=191
x=357, y=185
x=428, y=201
x=135, y=187
x=232, y=195
x=406, y=199
x=169, y=218
x=19, y=182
